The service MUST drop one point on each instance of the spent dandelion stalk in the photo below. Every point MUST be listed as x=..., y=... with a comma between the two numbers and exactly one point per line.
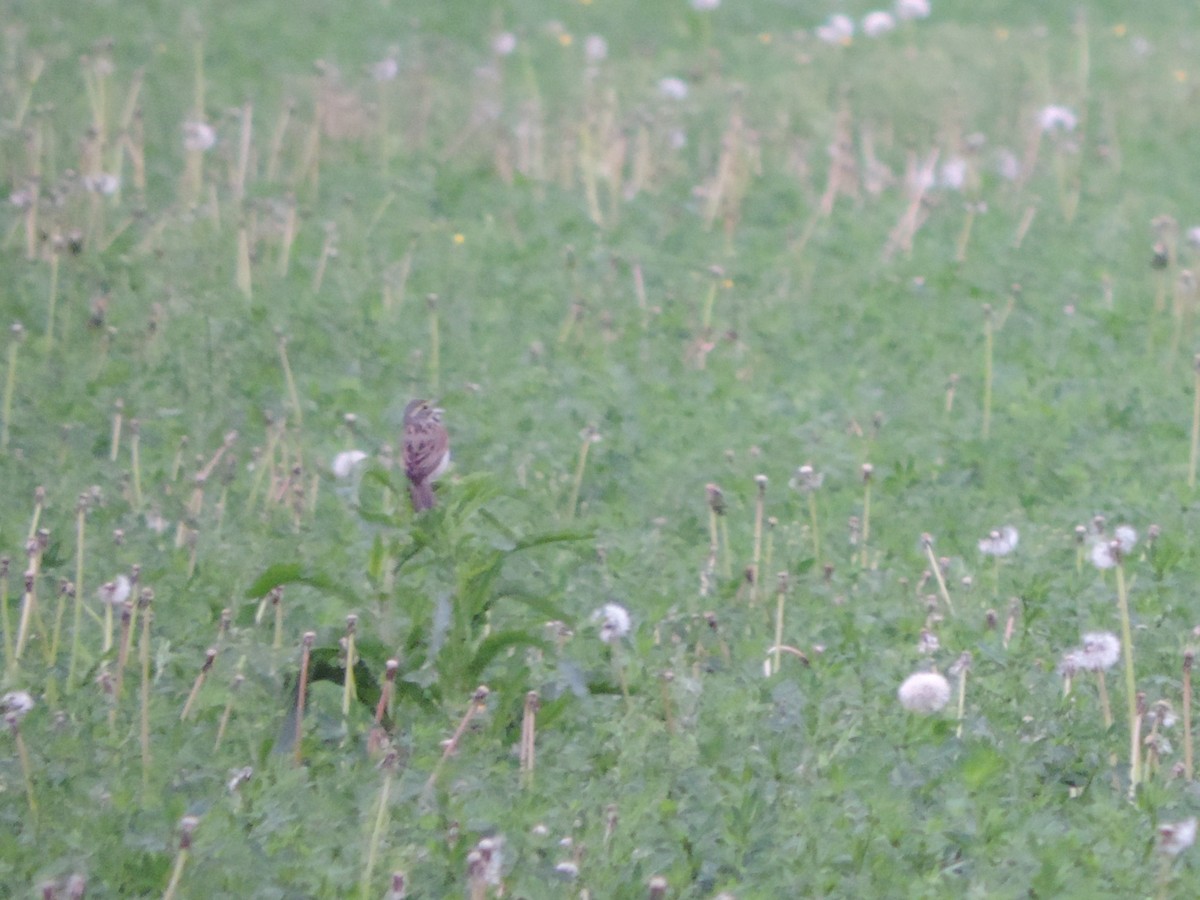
x=81, y=507
x=388, y=767
x=390, y=671
x=808, y=480
x=589, y=436
x=477, y=705
x=529, y=737
x=306, y=645
x=349, y=689
x=760, y=502
x=281, y=343
x=16, y=336
x=866, y=472
x=936, y=568
x=238, y=680
x=210, y=657
x=5, y=622
x=781, y=588
x=187, y=826
x=145, y=600
x=1189, y=658
x=988, y=350
x=1194, y=457
x=960, y=669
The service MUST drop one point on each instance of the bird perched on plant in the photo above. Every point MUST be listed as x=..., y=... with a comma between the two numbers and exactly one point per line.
x=426, y=451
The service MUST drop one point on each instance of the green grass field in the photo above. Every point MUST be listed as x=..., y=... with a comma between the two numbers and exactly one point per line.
x=634, y=250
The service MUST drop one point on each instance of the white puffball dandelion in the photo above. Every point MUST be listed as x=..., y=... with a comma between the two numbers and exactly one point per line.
x=16, y=704
x=198, y=136
x=1101, y=650
x=614, y=622
x=838, y=29
x=1105, y=554
x=912, y=9
x=595, y=48
x=1175, y=837
x=1126, y=538
x=1000, y=542
x=114, y=592
x=924, y=692
x=504, y=43
x=343, y=464
x=1056, y=118
x=673, y=88
x=878, y=23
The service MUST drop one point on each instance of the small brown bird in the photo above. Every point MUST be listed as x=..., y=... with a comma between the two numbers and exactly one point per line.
x=426, y=451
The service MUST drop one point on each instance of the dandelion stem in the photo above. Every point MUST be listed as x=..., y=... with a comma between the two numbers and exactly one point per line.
x=388, y=766
x=144, y=601
x=1131, y=696
x=1188, y=759
x=77, y=620
x=866, y=516
x=478, y=705
x=1195, y=454
x=759, y=506
x=293, y=394
x=529, y=737
x=590, y=436
x=937, y=573
x=780, y=597
x=1135, y=743
x=816, y=533
x=348, y=685
x=26, y=768
x=302, y=692
x=10, y=383
x=228, y=711
x=988, y=346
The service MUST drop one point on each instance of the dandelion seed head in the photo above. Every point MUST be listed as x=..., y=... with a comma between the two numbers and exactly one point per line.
x=199, y=136
x=1000, y=542
x=16, y=704
x=1126, y=538
x=504, y=43
x=1055, y=118
x=878, y=23
x=838, y=29
x=1105, y=554
x=595, y=48
x=614, y=622
x=344, y=463
x=673, y=88
x=1100, y=651
x=1175, y=837
x=924, y=692
x=912, y=9
x=115, y=592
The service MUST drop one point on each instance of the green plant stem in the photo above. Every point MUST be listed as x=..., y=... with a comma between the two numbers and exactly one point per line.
x=1194, y=457
x=293, y=394
x=26, y=770
x=988, y=346
x=816, y=532
x=77, y=621
x=937, y=573
x=780, y=598
x=10, y=384
x=866, y=521
x=376, y=833
x=1130, y=679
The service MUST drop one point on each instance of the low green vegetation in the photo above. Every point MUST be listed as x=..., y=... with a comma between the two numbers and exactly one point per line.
x=782, y=367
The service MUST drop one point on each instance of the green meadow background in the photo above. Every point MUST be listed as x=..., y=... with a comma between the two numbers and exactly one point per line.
x=618, y=297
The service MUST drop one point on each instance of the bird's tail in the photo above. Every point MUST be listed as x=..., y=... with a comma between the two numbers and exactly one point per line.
x=421, y=493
